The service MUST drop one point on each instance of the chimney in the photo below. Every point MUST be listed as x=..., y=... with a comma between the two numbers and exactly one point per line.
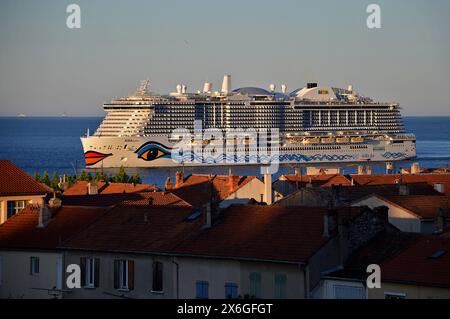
x=283, y=88
x=440, y=222
x=369, y=170
x=168, y=184
x=54, y=203
x=92, y=188
x=329, y=222
x=179, y=179
x=415, y=168
x=403, y=189
x=439, y=187
x=360, y=170
x=309, y=184
x=268, y=188
x=226, y=84
x=233, y=181
x=208, y=216
x=43, y=216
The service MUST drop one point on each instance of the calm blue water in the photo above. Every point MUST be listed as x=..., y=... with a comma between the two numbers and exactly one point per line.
x=38, y=144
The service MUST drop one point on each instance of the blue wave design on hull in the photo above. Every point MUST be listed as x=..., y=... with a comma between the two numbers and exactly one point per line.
x=389, y=155
x=192, y=157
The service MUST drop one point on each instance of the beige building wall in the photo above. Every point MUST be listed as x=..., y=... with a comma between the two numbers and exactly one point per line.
x=32, y=199
x=218, y=272
x=143, y=276
x=409, y=291
x=16, y=280
x=253, y=189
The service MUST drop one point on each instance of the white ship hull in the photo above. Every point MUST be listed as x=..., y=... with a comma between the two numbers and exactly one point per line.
x=131, y=152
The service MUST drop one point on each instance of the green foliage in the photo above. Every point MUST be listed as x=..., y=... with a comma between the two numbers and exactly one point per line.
x=83, y=176
x=37, y=177
x=121, y=176
x=55, y=181
x=136, y=179
x=46, y=178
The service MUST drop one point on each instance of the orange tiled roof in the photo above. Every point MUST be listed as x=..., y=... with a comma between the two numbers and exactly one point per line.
x=424, y=206
x=137, y=229
x=416, y=265
x=80, y=188
x=198, y=189
x=263, y=232
x=140, y=199
x=380, y=179
x=16, y=182
x=21, y=231
x=322, y=180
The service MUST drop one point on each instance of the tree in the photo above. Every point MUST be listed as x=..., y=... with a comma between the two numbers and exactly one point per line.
x=136, y=179
x=121, y=176
x=37, y=177
x=46, y=179
x=83, y=176
x=55, y=180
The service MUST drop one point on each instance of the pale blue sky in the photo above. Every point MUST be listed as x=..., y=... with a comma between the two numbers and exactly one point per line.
x=48, y=69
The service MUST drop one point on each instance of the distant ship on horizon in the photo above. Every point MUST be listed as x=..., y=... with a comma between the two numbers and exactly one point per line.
x=21, y=115
x=317, y=124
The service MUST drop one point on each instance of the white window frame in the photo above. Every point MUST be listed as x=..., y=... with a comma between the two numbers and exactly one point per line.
x=33, y=260
x=90, y=272
x=123, y=275
x=18, y=206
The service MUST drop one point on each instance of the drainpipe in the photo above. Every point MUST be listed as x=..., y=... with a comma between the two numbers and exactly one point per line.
x=177, y=277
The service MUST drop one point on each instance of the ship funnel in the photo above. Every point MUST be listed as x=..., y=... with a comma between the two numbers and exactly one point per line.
x=226, y=84
x=183, y=89
x=283, y=88
x=179, y=88
x=350, y=88
x=272, y=87
x=207, y=87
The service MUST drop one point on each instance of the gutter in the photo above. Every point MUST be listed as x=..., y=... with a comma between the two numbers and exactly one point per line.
x=177, y=277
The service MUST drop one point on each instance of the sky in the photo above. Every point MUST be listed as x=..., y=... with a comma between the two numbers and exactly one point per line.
x=48, y=69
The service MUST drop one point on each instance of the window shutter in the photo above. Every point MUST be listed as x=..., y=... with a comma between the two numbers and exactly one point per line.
x=96, y=272
x=116, y=274
x=130, y=274
x=83, y=271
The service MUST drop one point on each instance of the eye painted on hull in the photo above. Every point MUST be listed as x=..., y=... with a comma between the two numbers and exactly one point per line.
x=92, y=157
x=153, y=150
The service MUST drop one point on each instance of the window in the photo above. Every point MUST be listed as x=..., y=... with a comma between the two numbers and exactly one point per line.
x=14, y=207
x=90, y=272
x=157, y=284
x=348, y=292
x=231, y=290
x=123, y=274
x=255, y=284
x=280, y=286
x=202, y=289
x=394, y=295
x=34, y=265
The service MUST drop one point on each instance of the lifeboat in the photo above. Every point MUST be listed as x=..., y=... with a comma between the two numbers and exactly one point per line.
x=358, y=139
x=342, y=140
x=312, y=140
x=327, y=140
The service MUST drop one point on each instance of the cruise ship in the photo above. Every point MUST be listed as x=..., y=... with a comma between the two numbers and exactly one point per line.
x=316, y=125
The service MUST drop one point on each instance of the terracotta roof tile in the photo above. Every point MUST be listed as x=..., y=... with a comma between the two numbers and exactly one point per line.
x=263, y=232
x=322, y=180
x=416, y=264
x=424, y=206
x=21, y=231
x=16, y=182
x=379, y=179
x=198, y=189
x=140, y=199
x=137, y=229
x=81, y=188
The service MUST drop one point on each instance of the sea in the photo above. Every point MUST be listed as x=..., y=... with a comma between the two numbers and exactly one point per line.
x=39, y=144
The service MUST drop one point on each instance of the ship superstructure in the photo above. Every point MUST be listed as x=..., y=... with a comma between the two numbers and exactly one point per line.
x=317, y=124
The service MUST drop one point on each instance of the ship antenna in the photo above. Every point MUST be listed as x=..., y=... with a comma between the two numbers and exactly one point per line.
x=143, y=87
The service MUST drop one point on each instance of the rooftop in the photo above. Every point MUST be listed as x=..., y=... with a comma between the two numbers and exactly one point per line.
x=81, y=188
x=16, y=182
